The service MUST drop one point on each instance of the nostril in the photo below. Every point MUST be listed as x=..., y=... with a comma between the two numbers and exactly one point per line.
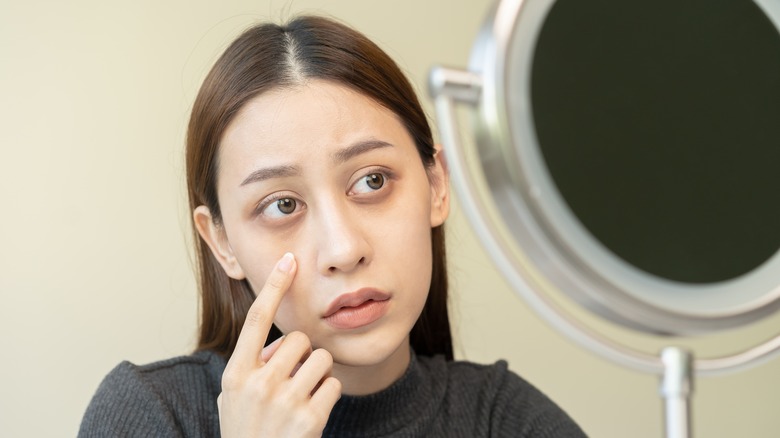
x=361, y=261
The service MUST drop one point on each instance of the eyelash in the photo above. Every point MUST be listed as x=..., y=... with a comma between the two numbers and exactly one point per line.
x=388, y=178
x=274, y=198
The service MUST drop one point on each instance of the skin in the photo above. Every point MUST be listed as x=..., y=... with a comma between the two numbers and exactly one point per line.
x=329, y=175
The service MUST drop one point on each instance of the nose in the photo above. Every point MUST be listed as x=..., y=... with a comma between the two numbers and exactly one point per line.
x=342, y=242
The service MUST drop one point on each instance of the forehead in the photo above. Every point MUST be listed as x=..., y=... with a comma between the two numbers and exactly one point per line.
x=307, y=121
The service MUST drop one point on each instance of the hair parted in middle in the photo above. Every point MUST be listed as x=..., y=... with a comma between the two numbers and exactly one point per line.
x=267, y=57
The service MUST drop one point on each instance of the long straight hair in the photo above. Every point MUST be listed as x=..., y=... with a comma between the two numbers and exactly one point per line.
x=267, y=57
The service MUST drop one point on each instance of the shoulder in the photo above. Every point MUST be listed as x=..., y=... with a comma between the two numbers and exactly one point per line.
x=168, y=398
x=505, y=403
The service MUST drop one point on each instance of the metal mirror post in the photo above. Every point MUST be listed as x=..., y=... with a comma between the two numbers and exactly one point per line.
x=626, y=157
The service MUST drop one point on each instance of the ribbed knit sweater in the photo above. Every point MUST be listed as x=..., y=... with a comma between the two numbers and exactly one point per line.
x=434, y=398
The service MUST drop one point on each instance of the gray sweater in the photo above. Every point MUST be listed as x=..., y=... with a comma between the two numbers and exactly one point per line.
x=434, y=398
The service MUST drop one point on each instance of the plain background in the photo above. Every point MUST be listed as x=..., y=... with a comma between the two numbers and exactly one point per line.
x=95, y=264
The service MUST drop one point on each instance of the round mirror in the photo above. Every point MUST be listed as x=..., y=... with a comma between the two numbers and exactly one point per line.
x=632, y=152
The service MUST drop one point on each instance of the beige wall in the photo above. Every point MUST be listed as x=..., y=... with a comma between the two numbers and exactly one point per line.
x=94, y=266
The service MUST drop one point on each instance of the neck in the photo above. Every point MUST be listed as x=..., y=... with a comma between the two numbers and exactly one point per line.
x=370, y=379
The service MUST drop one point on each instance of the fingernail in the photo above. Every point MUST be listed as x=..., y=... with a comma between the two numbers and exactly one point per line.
x=276, y=341
x=265, y=354
x=286, y=263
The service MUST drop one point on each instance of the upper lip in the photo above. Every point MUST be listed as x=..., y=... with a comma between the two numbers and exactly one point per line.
x=354, y=299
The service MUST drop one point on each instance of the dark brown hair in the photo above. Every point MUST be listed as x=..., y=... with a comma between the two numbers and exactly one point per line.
x=266, y=57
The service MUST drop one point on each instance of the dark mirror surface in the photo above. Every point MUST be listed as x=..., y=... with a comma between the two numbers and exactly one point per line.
x=659, y=122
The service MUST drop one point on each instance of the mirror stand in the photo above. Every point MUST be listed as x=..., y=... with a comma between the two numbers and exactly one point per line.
x=676, y=388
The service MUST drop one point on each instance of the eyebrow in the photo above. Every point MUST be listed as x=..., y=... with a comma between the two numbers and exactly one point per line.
x=270, y=172
x=358, y=148
x=339, y=156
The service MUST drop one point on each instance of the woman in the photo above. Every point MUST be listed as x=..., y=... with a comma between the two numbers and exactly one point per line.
x=318, y=199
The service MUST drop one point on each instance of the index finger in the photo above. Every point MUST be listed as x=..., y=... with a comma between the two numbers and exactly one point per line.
x=261, y=314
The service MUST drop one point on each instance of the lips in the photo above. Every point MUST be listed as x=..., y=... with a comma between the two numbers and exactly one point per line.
x=356, y=309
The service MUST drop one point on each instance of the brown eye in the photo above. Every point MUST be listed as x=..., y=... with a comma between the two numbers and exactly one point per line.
x=375, y=181
x=286, y=205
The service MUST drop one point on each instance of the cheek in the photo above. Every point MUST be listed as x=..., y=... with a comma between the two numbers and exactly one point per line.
x=257, y=271
x=291, y=315
x=407, y=229
x=257, y=253
x=407, y=248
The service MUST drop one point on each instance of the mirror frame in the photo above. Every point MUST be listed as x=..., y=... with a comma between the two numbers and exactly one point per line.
x=540, y=236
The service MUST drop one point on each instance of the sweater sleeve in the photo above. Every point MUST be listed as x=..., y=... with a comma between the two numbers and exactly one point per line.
x=125, y=405
x=521, y=410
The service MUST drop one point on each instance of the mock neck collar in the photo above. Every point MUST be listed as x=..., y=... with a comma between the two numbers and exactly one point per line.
x=415, y=396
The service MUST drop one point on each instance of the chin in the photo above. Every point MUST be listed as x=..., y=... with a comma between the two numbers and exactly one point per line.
x=367, y=351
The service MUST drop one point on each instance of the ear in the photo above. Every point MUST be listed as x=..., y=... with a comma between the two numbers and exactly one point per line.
x=215, y=237
x=440, y=188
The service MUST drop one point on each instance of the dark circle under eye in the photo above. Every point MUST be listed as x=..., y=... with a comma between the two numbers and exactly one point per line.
x=375, y=181
x=286, y=205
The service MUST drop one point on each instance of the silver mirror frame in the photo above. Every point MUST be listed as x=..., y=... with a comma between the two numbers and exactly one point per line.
x=524, y=222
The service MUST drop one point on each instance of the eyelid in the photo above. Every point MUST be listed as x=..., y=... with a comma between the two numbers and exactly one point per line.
x=386, y=173
x=275, y=197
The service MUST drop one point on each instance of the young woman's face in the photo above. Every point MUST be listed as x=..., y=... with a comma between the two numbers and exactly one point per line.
x=326, y=173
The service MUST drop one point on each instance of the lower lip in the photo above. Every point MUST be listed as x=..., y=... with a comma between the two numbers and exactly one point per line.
x=359, y=316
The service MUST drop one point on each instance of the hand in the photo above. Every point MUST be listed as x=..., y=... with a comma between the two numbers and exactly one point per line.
x=281, y=390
